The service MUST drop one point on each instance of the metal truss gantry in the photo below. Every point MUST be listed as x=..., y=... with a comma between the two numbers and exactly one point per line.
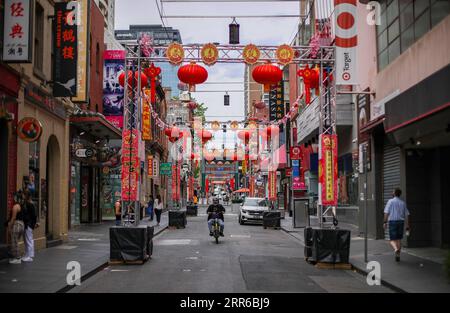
x=325, y=59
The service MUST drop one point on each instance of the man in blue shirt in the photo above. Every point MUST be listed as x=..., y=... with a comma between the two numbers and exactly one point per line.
x=396, y=214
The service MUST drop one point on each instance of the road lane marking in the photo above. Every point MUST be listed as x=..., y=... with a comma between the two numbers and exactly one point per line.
x=240, y=236
x=173, y=242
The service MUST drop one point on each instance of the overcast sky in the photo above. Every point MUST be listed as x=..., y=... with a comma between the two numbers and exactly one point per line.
x=260, y=31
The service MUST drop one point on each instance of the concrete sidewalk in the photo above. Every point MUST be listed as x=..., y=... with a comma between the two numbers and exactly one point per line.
x=87, y=244
x=420, y=270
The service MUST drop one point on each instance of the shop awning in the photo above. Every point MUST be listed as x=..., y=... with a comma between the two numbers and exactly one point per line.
x=95, y=124
x=372, y=124
x=244, y=190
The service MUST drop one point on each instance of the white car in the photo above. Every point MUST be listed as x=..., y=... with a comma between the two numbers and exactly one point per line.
x=252, y=210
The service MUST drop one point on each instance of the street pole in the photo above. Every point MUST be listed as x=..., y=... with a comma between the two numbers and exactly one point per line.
x=366, y=215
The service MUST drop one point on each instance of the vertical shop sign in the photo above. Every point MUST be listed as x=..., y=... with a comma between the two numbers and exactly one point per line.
x=272, y=186
x=17, y=31
x=82, y=56
x=346, y=41
x=66, y=54
x=174, y=182
x=150, y=172
x=296, y=175
x=146, y=118
x=130, y=165
x=328, y=170
x=113, y=93
x=276, y=102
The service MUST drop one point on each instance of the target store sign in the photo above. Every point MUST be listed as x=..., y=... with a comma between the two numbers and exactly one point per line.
x=346, y=41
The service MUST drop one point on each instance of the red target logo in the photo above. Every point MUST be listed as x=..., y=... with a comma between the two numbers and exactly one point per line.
x=346, y=76
x=345, y=22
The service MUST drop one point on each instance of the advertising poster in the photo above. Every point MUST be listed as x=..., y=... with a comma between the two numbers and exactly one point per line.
x=328, y=170
x=110, y=191
x=113, y=93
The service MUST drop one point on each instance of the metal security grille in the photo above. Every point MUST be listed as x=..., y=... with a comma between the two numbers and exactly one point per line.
x=391, y=173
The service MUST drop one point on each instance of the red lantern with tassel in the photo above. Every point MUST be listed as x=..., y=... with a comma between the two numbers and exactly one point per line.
x=267, y=74
x=193, y=105
x=152, y=72
x=307, y=75
x=144, y=79
x=192, y=74
x=205, y=136
x=174, y=134
x=260, y=105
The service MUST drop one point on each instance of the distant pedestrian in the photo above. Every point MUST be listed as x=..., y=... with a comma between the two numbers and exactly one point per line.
x=158, y=207
x=16, y=227
x=30, y=223
x=150, y=211
x=396, y=215
x=118, y=211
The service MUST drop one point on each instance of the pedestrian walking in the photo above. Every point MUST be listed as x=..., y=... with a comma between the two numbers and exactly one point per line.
x=158, y=207
x=118, y=211
x=16, y=227
x=30, y=223
x=396, y=215
x=150, y=211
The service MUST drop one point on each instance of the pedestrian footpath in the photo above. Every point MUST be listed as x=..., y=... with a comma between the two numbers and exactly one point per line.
x=87, y=244
x=420, y=270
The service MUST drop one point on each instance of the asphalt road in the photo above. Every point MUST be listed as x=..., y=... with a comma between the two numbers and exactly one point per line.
x=249, y=259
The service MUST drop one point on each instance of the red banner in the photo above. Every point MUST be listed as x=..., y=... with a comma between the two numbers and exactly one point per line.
x=146, y=119
x=179, y=182
x=272, y=186
x=328, y=170
x=252, y=186
x=130, y=165
x=150, y=166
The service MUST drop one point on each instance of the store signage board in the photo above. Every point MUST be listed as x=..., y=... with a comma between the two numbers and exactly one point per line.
x=165, y=169
x=276, y=102
x=17, y=31
x=82, y=55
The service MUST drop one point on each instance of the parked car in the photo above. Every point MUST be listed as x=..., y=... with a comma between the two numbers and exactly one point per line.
x=252, y=210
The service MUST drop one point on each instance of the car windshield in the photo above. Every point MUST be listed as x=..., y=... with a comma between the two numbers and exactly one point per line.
x=256, y=202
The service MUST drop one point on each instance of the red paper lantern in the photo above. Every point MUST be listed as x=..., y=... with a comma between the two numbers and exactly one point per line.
x=245, y=135
x=272, y=130
x=205, y=135
x=144, y=79
x=174, y=134
x=267, y=74
x=193, y=105
x=208, y=156
x=260, y=105
x=192, y=74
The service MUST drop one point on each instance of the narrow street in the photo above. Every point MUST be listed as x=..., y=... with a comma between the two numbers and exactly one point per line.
x=248, y=259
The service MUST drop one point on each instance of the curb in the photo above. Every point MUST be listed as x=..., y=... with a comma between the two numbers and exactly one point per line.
x=383, y=282
x=100, y=268
x=358, y=269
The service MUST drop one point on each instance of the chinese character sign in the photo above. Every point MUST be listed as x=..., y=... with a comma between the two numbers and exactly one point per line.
x=328, y=171
x=17, y=31
x=276, y=102
x=130, y=165
x=82, y=58
x=146, y=119
x=272, y=186
x=66, y=52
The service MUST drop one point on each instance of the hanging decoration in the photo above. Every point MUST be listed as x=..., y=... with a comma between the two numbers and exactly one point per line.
x=285, y=54
x=192, y=74
x=144, y=79
x=234, y=125
x=193, y=105
x=174, y=134
x=146, y=44
x=234, y=32
x=175, y=53
x=205, y=136
x=209, y=54
x=267, y=74
x=215, y=125
x=251, y=54
x=308, y=77
x=152, y=73
x=259, y=105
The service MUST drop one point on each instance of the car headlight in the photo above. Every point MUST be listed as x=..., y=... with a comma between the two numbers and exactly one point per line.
x=244, y=211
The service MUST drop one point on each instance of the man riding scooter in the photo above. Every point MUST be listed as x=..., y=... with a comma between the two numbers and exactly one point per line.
x=214, y=211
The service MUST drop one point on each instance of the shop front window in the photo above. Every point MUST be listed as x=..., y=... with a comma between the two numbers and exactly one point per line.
x=348, y=183
x=31, y=182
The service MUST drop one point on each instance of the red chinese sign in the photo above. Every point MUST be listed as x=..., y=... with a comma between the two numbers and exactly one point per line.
x=146, y=119
x=272, y=186
x=16, y=31
x=252, y=186
x=209, y=54
x=328, y=170
x=175, y=53
x=65, y=48
x=150, y=166
x=130, y=165
x=296, y=153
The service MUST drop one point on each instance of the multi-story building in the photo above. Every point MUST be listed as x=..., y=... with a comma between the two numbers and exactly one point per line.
x=162, y=36
x=107, y=8
x=404, y=64
x=42, y=165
